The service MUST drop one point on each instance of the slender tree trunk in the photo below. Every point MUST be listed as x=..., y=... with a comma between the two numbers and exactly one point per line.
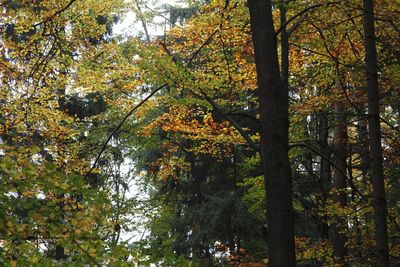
x=377, y=179
x=142, y=20
x=273, y=101
x=339, y=178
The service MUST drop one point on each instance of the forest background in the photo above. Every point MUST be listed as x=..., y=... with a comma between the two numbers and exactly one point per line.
x=239, y=133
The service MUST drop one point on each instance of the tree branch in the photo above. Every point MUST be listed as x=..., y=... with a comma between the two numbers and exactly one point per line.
x=243, y=115
x=362, y=197
x=231, y=121
x=104, y=146
x=92, y=259
x=58, y=12
x=302, y=13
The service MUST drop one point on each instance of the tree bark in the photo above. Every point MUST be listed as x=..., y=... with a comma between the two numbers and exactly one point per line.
x=325, y=168
x=339, y=178
x=377, y=179
x=274, y=119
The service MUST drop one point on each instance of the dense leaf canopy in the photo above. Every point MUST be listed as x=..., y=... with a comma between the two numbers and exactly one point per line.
x=148, y=149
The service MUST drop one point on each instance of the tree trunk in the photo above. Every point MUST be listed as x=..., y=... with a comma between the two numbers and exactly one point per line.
x=377, y=179
x=339, y=178
x=273, y=101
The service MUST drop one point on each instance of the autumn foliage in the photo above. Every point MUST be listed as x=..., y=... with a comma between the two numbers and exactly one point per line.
x=147, y=150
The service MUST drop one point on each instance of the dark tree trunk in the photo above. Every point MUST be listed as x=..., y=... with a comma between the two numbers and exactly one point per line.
x=377, y=179
x=339, y=179
x=60, y=253
x=273, y=100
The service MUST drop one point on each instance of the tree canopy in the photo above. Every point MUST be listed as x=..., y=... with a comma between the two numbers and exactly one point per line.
x=216, y=133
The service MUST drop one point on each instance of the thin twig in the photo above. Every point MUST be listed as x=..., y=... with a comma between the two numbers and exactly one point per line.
x=302, y=13
x=58, y=12
x=195, y=54
x=104, y=146
x=362, y=197
x=86, y=253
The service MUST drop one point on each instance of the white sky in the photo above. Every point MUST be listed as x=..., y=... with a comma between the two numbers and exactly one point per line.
x=130, y=26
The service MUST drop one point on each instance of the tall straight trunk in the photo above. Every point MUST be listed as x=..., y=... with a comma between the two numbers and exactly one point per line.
x=377, y=179
x=339, y=178
x=274, y=119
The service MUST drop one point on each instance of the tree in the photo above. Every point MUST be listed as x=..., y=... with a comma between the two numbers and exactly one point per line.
x=274, y=120
x=377, y=176
x=48, y=206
